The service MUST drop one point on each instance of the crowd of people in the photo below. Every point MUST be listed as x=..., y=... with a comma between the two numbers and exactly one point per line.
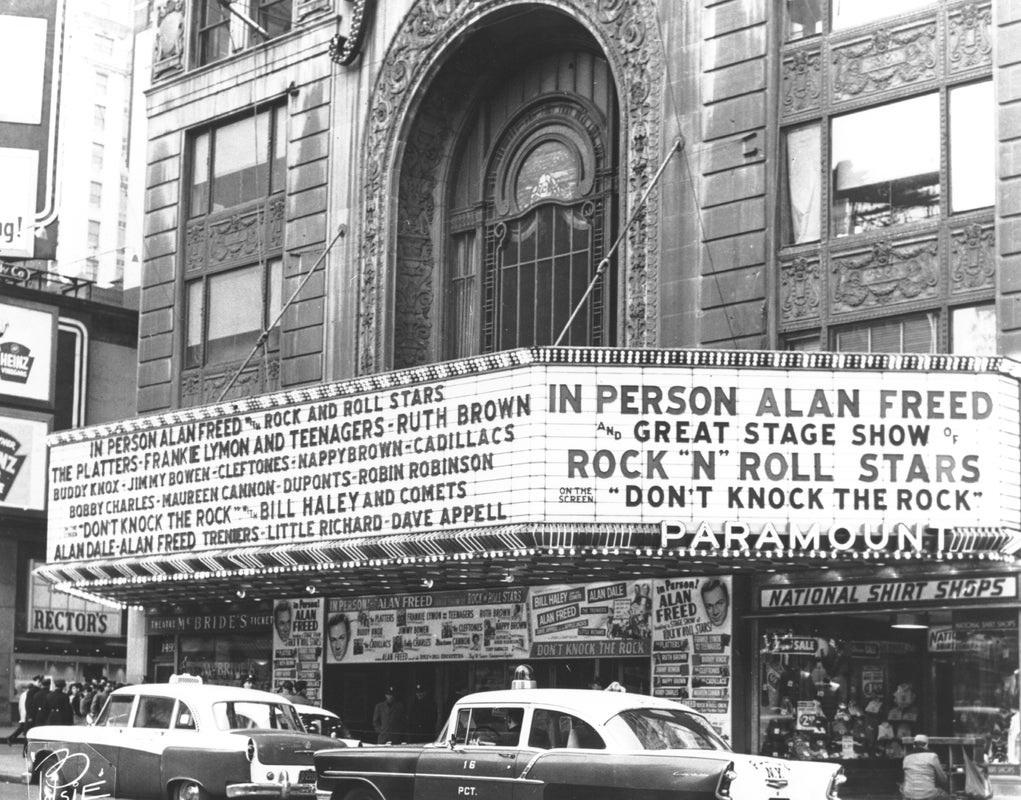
x=52, y=701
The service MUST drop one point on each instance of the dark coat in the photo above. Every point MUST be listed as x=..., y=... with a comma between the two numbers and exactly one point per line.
x=35, y=702
x=57, y=710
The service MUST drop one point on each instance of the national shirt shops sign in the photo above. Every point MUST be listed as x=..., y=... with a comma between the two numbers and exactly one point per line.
x=861, y=451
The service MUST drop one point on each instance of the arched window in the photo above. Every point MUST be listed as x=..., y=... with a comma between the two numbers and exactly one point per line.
x=530, y=216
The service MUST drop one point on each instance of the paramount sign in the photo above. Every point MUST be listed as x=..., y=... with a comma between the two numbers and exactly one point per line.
x=770, y=539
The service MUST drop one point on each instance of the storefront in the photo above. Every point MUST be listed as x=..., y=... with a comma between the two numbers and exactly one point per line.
x=849, y=669
x=736, y=530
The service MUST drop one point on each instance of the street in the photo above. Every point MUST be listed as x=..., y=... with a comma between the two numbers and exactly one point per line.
x=17, y=791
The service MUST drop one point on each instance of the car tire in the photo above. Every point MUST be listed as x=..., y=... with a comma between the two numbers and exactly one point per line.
x=188, y=790
x=362, y=793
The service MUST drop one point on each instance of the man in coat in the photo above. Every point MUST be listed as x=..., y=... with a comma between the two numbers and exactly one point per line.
x=389, y=719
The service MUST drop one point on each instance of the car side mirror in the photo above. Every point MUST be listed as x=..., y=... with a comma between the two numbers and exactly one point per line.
x=451, y=741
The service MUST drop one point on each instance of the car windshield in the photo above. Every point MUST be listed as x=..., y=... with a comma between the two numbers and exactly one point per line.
x=665, y=729
x=246, y=714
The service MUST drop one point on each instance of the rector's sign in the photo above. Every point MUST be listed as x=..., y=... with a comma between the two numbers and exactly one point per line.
x=730, y=456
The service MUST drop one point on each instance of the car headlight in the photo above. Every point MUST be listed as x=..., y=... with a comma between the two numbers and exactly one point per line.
x=727, y=778
x=833, y=790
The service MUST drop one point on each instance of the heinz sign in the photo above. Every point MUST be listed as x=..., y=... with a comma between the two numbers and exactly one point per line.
x=731, y=455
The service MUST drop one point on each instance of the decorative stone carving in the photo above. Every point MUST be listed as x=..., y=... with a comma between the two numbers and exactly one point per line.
x=236, y=236
x=886, y=60
x=628, y=34
x=802, y=82
x=168, y=43
x=968, y=41
x=972, y=258
x=201, y=386
x=415, y=264
x=887, y=274
x=800, y=289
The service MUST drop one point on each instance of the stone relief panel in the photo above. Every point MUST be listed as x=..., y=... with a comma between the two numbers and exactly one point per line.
x=800, y=290
x=802, y=81
x=969, y=43
x=238, y=236
x=199, y=387
x=168, y=43
x=885, y=60
x=885, y=275
x=628, y=33
x=972, y=258
x=304, y=9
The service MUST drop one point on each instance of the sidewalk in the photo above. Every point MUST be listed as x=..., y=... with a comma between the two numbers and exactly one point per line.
x=12, y=765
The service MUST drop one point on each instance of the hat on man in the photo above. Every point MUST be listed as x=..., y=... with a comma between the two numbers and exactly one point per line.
x=921, y=740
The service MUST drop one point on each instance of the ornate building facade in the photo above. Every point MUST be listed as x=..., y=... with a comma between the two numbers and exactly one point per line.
x=423, y=190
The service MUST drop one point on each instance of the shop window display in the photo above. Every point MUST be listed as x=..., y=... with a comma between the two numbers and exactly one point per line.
x=855, y=688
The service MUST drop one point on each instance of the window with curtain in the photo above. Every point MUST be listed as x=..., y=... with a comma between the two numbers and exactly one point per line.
x=910, y=334
x=804, y=184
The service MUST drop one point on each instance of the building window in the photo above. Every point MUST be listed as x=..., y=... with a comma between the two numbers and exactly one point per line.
x=912, y=334
x=95, y=194
x=231, y=294
x=99, y=117
x=212, y=31
x=885, y=165
x=102, y=82
x=808, y=17
x=275, y=16
x=218, y=33
x=104, y=44
x=239, y=162
x=97, y=156
x=93, y=235
x=226, y=312
x=972, y=146
x=973, y=330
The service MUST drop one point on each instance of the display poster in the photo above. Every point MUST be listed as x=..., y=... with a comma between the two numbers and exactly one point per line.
x=298, y=644
x=440, y=626
x=27, y=337
x=591, y=619
x=23, y=460
x=692, y=645
x=728, y=459
x=64, y=614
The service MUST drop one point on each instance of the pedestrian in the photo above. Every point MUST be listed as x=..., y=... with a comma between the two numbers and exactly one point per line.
x=301, y=690
x=25, y=702
x=57, y=707
x=37, y=704
x=924, y=778
x=422, y=716
x=248, y=682
x=389, y=719
x=99, y=699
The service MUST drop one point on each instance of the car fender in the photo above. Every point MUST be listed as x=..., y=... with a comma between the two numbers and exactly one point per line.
x=673, y=773
x=213, y=770
x=389, y=770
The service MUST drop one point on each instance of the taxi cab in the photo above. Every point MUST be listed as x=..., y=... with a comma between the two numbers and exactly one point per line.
x=183, y=741
x=533, y=744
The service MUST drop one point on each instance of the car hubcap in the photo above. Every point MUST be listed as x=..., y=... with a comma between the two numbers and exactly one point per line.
x=188, y=792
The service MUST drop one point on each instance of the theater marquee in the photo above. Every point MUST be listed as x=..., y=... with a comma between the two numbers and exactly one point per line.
x=706, y=445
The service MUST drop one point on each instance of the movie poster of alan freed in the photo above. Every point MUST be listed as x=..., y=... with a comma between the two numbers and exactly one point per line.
x=691, y=647
x=298, y=644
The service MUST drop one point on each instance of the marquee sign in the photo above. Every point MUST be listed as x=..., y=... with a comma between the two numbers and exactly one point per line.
x=732, y=456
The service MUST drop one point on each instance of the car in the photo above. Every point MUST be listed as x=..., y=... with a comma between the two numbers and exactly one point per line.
x=325, y=722
x=570, y=744
x=181, y=741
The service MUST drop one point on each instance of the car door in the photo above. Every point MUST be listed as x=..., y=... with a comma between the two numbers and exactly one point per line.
x=479, y=761
x=139, y=768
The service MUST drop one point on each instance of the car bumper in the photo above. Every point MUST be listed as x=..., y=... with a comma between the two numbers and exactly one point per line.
x=271, y=791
